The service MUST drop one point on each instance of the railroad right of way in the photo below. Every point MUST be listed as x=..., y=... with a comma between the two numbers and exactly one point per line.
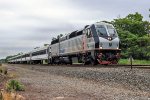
x=110, y=83
x=135, y=79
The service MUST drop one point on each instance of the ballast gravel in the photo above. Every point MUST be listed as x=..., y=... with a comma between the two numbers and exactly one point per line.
x=83, y=83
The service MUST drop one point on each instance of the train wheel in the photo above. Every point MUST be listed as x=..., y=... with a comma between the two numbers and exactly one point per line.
x=70, y=63
x=84, y=63
x=93, y=62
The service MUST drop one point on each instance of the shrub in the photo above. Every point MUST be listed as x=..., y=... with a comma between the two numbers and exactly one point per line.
x=14, y=85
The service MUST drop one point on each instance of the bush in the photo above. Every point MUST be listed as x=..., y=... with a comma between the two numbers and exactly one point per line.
x=14, y=85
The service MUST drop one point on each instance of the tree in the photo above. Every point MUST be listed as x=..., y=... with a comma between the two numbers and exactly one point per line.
x=133, y=23
x=133, y=32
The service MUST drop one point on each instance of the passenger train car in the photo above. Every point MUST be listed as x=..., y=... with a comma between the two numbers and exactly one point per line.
x=37, y=56
x=94, y=44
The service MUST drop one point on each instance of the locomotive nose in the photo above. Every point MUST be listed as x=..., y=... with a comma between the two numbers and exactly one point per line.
x=108, y=44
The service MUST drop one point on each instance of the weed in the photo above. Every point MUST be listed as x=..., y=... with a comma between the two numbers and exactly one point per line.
x=12, y=75
x=5, y=95
x=14, y=85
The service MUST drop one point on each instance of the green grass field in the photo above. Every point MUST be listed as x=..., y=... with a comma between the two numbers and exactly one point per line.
x=137, y=62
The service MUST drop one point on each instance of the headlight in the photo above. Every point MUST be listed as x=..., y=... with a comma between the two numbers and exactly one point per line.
x=101, y=47
x=109, y=38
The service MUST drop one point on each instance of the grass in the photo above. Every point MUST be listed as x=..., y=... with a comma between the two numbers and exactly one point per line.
x=136, y=62
x=4, y=95
x=14, y=85
x=10, y=88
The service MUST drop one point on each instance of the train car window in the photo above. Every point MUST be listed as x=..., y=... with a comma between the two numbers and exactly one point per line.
x=23, y=56
x=19, y=57
x=39, y=53
x=27, y=55
x=101, y=31
x=89, y=33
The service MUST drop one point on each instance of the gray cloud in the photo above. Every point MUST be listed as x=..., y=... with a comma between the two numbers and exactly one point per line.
x=25, y=25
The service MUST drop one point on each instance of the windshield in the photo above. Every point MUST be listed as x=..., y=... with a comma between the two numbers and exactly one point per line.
x=101, y=31
x=111, y=31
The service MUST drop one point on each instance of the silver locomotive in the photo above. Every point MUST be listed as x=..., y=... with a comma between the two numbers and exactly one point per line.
x=96, y=43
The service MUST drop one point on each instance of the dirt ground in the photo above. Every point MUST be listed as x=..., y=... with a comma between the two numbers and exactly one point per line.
x=75, y=83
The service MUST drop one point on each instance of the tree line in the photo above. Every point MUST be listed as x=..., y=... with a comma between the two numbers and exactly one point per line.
x=134, y=34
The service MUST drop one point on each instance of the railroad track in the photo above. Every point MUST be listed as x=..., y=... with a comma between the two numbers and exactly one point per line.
x=105, y=66
x=133, y=66
x=100, y=66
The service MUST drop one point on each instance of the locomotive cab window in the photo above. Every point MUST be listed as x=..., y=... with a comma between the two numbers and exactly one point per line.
x=101, y=31
x=112, y=32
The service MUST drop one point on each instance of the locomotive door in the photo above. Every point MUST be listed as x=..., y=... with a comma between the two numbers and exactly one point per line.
x=88, y=40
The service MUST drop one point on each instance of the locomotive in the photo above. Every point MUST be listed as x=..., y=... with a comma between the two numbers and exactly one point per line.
x=97, y=43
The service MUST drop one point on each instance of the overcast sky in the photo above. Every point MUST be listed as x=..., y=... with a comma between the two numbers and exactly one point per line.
x=25, y=24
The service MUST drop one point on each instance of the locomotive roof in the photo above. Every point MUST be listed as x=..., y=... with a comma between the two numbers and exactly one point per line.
x=76, y=33
x=67, y=36
x=102, y=23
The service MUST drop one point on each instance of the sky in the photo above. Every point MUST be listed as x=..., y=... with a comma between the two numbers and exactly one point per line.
x=26, y=24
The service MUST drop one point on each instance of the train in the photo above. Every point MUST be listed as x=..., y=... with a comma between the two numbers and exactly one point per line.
x=94, y=44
